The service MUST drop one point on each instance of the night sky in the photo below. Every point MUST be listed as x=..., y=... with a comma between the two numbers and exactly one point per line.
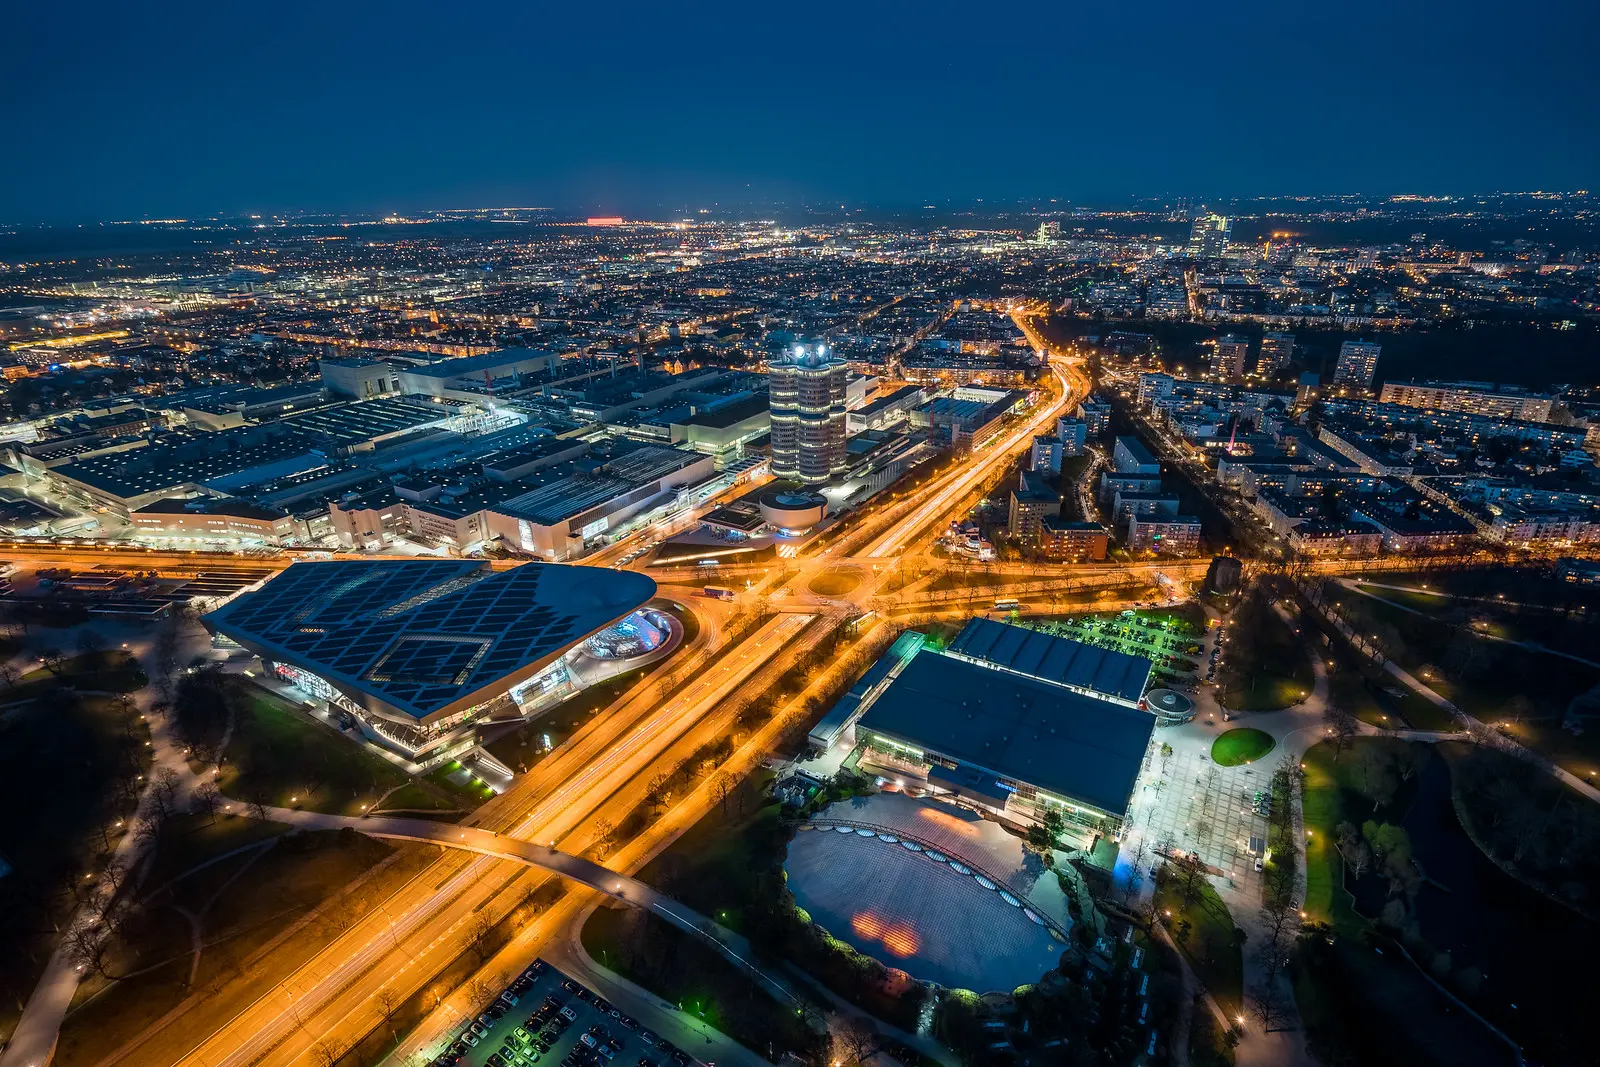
x=136, y=110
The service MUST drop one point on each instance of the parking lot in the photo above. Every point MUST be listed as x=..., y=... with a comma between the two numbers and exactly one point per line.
x=544, y=1017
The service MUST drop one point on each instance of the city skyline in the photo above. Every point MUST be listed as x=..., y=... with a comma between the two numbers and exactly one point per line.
x=192, y=111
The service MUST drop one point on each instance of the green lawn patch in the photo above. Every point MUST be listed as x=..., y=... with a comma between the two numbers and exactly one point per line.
x=1264, y=665
x=244, y=901
x=1241, y=745
x=113, y=671
x=72, y=771
x=282, y=757
x=1206, y=935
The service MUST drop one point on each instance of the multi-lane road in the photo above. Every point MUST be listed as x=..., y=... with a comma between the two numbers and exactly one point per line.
x=601, y=774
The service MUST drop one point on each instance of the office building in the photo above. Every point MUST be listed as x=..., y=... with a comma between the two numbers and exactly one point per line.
x=1208, y=236
x=1277, y=352
x=1358, y=362
x=807, y=390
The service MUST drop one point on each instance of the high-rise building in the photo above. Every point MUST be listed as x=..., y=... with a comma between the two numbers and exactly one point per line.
x=806, y=392
x=1358, y=362
x=1277, y=352
x=1228, y=356
x=1208, y=236
x=1073, y=435
x=1046, y=455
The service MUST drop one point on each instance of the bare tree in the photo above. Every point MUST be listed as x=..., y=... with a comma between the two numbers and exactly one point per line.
x=857, y=1041
x=480, y=937
x=1266, y=1006
x=324, y=1053
x=9, y=675
x=386, y=1001
x=1342, y=729
x=164, y=790
x=54, y=660
x=208, y=800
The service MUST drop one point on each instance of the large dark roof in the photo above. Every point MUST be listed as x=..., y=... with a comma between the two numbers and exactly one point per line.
x=1054, y=659
x=1075, y=746
x=421, y=637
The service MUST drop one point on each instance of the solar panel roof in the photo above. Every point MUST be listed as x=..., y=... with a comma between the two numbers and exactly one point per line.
x=1079, y=747
x=1054, y=659
x=429, y=636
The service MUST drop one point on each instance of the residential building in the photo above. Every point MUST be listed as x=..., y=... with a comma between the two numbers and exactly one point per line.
x=1228, y=356
x=1277, y=352
x=1358, y=362
x=1046, y=455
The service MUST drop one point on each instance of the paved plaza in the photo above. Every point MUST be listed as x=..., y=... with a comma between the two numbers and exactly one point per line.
x=1197, y=806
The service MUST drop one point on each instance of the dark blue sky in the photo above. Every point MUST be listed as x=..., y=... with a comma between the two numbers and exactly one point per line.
x=121, y=110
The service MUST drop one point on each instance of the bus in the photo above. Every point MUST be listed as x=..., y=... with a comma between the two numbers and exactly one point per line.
x=1007, y=605
x=716, y=592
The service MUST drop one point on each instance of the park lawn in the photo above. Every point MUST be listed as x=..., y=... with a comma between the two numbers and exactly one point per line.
x=268, y=892
x=70, y=776
x=1241, y=745
x=1328, y=782
x=1210, y=946
x=282, y=757
x=194, y=839
x=712, y=866
x=112, y=671
x=414, y=797
x=1269, y=664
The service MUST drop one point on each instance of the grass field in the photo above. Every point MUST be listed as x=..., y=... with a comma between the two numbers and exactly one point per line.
x=680, y=969
x=1242, y=745
x=282, y=757
x=244, y=901
x=72, y=770
x=1211, y=944
x=113, y=672
x=1264, y=664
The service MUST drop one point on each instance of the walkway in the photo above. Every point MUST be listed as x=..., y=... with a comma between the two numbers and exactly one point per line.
x=33, y=1042
x=1479, y=730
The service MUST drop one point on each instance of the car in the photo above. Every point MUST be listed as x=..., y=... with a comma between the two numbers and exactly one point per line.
x=582, y=994
x=495, y=1060
x=569, y=985
x=615, y=1043
x=508, y=997
x=474, y=1033
x=680, y=1057
x=648, y=1037
x=589, y=1040
x=629, y=1022
x=488, y=1018
x=568, y=1014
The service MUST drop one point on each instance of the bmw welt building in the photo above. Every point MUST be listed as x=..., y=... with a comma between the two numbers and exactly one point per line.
x=419, y=653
